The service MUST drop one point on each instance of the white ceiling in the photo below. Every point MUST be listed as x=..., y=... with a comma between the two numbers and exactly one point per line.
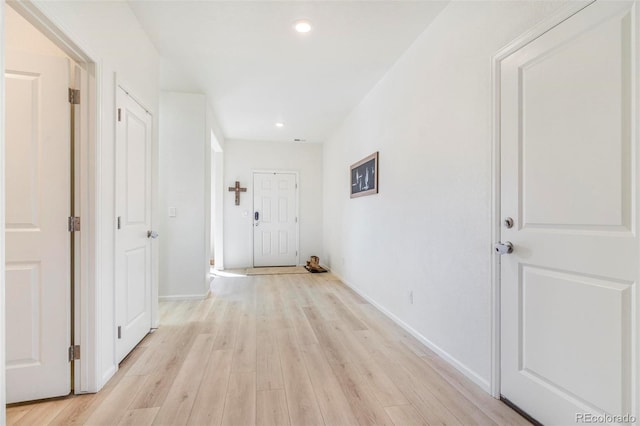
x=256, y=70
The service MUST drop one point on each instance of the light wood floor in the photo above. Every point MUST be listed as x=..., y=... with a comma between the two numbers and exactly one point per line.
x=277, y=350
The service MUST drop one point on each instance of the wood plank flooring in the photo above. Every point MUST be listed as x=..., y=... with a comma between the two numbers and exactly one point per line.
x=295, y=350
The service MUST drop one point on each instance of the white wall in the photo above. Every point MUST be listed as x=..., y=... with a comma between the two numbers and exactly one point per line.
x=428, y=230
x=128, y=55
x=240, y=160
x=185, y=182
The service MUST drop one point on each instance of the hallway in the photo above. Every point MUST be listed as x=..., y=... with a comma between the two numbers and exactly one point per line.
x=299, y=349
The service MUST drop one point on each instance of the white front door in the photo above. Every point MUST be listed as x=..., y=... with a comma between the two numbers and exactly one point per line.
x=275, y=224
x=569, y=147
x=38, y=250
x=133, y=222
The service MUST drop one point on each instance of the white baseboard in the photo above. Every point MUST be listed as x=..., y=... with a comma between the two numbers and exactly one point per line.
x=182, y=297
x=470, y=374
x=107, y=376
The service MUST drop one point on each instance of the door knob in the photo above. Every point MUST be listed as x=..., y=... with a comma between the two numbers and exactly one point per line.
x=503, y=248
x=152, y=234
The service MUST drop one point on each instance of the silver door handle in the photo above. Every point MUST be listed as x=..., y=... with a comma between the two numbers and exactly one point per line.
x=152, y=234
x=503, y=248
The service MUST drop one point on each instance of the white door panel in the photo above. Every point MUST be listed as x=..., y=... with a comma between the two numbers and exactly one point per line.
x=38, y=251
x=133, y=247
x=568, y=179
x=276, y=229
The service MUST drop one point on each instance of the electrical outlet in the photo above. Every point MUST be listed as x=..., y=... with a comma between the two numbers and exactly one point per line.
x=411, y=297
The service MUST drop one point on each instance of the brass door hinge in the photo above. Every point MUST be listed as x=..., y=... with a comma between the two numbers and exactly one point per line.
x=74, y=96
x=74, y=353
x=74, y=224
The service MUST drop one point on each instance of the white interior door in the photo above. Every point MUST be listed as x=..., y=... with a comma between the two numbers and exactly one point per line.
x=133, y=223
x=38, y=251
x=275, y=225
x=569, y=148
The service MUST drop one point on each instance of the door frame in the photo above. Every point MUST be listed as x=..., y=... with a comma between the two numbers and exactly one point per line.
x=562, y=14
x=3, y=398
x=216, y=213
x=121, y=83
x=253, y=209
x=87, y=309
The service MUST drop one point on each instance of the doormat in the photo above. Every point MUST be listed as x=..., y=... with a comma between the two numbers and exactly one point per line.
x=316, y=270
x=276, y=270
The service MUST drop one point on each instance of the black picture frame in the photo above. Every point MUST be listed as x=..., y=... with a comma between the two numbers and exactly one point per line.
x=364, y=176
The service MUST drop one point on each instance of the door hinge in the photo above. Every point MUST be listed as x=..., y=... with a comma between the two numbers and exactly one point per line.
x=74, y=96
x=119, y=332
x=74, y=352
x=296, y=220
x=119, y=114
x=119, y=222
x=74, y=224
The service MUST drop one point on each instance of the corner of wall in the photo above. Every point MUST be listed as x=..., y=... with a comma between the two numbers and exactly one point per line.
x=213, y=124
x=208, y=164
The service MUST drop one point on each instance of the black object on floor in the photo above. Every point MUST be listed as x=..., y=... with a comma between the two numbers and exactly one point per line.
x=316, y=270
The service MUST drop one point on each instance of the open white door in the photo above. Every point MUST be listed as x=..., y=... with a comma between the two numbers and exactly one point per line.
x=569, y=182
x=38, y=251
x=275, y=224
x=133, y=223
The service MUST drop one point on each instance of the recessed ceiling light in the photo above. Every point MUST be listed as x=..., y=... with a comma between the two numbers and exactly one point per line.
x=302, y=26
x=279, y=124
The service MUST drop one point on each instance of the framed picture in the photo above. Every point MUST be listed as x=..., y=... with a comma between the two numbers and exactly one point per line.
x=364, y=176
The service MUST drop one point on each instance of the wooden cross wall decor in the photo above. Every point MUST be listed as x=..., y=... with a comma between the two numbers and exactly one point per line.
x=237, y=190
